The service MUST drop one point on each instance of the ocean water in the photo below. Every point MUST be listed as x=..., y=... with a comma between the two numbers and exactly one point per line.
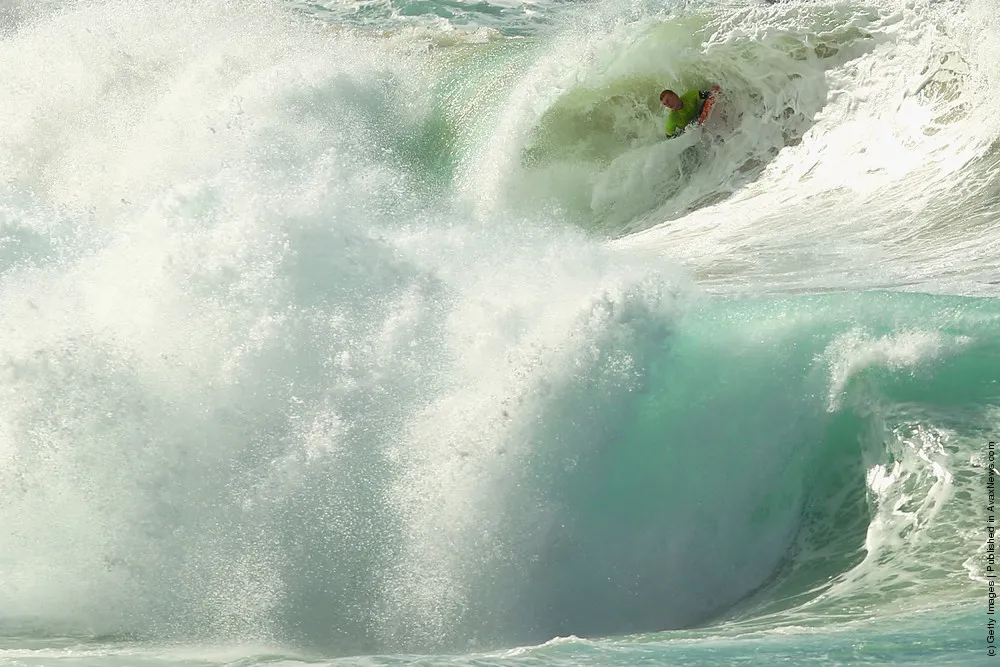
x=391, y=332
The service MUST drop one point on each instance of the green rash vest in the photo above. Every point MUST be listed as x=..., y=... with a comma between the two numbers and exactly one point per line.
x=678, y=119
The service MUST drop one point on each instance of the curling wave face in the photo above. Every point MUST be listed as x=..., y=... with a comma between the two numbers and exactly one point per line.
x=304, y=343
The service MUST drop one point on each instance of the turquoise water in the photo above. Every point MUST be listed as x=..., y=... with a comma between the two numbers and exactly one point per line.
x=394, y=333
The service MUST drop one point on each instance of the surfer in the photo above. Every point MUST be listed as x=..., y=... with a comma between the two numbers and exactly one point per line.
x=683, y=108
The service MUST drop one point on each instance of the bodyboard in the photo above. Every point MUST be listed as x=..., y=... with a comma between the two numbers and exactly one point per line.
x=706, y=108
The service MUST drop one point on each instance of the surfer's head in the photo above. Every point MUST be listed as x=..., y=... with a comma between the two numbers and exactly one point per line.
x=670, y=100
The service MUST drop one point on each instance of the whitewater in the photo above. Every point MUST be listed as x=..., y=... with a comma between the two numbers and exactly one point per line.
x=393, y=332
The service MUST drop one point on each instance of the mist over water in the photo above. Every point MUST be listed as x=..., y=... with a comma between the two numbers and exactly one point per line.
x=365, y=332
